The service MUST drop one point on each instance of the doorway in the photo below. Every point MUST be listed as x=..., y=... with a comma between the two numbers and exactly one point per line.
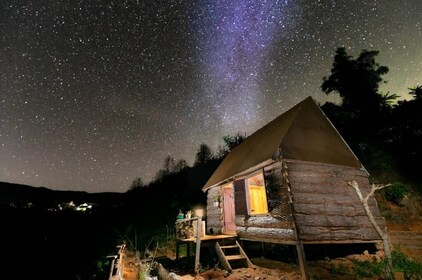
x=228, y=210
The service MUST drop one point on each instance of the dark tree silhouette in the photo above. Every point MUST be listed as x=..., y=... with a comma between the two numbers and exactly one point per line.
x=203, y=155
x=232, y=141
x=416, y=92
x=136, y=184
x=364, y=110
x=357, y=82
x=169, y=167
x=404, y=133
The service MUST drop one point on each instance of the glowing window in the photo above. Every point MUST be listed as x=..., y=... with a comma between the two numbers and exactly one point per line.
x=257, y=197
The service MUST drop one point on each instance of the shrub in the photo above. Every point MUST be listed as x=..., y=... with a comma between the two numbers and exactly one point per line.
x=368, y=268
x=409, y=267
x=396, y=192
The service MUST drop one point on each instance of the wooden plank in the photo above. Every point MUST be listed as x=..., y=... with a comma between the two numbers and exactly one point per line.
x=302, y=261
x=320, y=167
x=262, y=222
x=222, y=257
x=248, y=261
x=318, y=209
x=229, y=247
x=337, y=234
x=235, y=257
x=335, y=221
x=264, y=234
x=198, y=244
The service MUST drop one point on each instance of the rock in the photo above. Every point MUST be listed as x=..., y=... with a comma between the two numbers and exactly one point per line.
x=366, y=253
x=248, y=276
x=225, y=273
x=257, y=278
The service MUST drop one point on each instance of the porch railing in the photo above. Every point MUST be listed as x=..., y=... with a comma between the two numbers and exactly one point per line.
x=184, y=230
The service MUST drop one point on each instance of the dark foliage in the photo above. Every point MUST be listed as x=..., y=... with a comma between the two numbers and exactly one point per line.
x=232, y=141
x=396, y=192
x=203, y=155
x=385, y=137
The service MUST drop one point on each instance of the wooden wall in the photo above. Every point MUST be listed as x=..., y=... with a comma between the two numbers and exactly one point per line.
x=277, y=225
x=214, y=213
x=326, y=208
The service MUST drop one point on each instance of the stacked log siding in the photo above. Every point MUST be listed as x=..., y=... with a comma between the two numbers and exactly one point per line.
x=214, y=213
x=326, y=208
x=277, y=225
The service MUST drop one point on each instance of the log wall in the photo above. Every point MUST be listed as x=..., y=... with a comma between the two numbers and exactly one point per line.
x=326, y=208
x=277, y=225
x=214, y=213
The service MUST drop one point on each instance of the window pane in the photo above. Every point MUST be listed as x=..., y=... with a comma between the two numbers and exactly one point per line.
x=257, y=195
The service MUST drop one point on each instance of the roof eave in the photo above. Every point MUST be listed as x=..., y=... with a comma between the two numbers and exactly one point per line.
x=242, y=174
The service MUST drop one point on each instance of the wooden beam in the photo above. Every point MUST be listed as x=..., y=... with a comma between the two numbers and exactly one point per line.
x=222, y=257
x=248, y=261
x=302, y=261
x=198, y=244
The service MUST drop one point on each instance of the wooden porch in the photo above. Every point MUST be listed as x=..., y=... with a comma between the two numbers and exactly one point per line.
x=192, y=231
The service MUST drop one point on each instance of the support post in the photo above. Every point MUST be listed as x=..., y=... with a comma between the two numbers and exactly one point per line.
x=198, y=243
x=302, y=261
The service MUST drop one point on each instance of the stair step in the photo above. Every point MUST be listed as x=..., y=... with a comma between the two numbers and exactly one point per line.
x=229, y=246
x=235, y=257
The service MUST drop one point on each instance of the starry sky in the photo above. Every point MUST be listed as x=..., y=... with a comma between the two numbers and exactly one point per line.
x=96, y=93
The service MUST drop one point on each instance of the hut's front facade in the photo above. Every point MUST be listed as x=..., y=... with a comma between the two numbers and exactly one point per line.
x=288, y=183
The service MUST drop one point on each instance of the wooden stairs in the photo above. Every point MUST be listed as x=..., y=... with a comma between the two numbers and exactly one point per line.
x=225, y=258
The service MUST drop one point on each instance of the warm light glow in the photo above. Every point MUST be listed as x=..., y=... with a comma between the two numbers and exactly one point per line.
x=257, y=195
x=199, y=212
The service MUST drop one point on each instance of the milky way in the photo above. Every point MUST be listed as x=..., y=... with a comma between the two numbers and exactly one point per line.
x=96, y=93
x=234, y=39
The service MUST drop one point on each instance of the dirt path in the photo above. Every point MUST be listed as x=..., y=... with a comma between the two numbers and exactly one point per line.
x=130, y=269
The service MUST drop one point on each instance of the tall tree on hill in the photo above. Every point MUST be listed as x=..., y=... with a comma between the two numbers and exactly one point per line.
x=357, y=81
x=404, y=133
x=203, y=155
x=363, y=109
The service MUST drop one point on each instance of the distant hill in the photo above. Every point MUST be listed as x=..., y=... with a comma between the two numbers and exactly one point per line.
x=20, y=195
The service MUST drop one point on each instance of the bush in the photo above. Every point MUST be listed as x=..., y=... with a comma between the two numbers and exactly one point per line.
x=396, y=192
x=368, y=268
x=409, y=267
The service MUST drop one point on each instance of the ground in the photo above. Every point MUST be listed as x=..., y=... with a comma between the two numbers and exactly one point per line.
x=404, y=224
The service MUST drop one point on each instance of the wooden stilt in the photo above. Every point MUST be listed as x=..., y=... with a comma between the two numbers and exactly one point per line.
x=302, y=261
x=198, y=244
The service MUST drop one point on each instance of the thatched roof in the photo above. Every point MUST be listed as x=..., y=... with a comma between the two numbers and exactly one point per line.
x=301, y=133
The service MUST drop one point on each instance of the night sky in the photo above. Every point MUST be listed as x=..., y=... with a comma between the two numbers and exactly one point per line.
x=96, y=93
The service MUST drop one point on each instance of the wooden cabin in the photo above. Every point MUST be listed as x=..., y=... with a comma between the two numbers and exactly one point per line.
x=287, y=183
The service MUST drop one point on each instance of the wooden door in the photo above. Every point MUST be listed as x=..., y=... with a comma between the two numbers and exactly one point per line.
x=228, y=209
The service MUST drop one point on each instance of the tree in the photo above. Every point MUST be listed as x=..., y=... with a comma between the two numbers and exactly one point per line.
x=232, y=141
x=168, y=167
x=357, y=82
x=416, y=92
x=136, y=184
x=169, y=164
x=204, y=154
x=383, y=234
x=180, y=165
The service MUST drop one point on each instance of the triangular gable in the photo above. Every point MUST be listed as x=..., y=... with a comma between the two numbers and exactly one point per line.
x=302, y=133
x=312, y=137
